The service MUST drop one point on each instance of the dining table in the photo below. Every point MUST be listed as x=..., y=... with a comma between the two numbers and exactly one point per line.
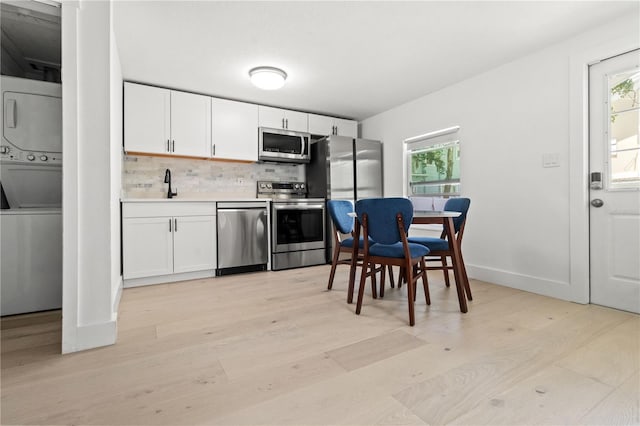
x=445, y=218
x=428, y=217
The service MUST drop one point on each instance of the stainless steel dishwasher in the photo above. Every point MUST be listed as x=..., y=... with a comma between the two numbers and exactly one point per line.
x=243, y=232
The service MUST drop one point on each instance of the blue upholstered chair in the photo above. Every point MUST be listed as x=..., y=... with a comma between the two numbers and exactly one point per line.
x=439, y=247
x=343, y=223
x=386, y=221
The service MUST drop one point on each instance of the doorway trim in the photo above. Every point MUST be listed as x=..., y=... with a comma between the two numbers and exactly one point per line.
x=579, y=159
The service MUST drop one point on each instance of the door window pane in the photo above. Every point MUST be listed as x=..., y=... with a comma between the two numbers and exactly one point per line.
x=624, y=120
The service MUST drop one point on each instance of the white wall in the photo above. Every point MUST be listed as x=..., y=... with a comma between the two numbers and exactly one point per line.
x=116, y=118
x=519, y=221
x=91, y=126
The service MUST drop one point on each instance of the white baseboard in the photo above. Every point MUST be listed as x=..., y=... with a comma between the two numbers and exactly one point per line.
x=116, y=299
x=95, y=335
x=163, y=279
x=542, y=286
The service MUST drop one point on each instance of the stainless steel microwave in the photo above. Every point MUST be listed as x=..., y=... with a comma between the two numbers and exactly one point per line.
x=285, y=146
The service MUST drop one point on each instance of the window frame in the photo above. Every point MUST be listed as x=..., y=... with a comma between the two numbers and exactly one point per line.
x=424, y=141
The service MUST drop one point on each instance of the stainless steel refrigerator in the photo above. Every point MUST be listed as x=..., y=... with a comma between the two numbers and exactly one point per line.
x=344, y=168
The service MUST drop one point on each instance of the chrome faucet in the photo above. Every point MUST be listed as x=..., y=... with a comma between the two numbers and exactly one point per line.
x=167, y=179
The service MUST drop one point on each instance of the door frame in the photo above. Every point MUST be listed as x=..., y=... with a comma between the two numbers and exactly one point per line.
x=579, y=288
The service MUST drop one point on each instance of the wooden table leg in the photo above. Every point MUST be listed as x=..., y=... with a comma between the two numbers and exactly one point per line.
x=456, y=259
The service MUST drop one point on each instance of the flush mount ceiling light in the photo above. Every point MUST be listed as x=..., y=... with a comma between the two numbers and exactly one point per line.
x=267, y=78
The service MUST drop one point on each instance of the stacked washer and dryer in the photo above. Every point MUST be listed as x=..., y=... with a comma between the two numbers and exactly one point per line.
x=31, y=180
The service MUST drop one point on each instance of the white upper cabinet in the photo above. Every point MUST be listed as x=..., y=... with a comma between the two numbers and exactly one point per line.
x=190, y=124
x=277, y=118
x=324, y=125
x=346, y=127
x=163, y=121
x=147, y=119
x=234, y=130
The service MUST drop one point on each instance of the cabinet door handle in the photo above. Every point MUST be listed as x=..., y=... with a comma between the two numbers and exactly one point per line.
x=170, y=225
x=175, y=225
x=173, y=146
x=214, y=149
x=283, y=123
x=168, y=146
x=286, y=120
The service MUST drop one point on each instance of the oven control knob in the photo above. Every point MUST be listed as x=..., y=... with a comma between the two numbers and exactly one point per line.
x=4, y=149
x=302, y=186
x=43, y=158
x=269, y=185
x=31, y=157
x=262, y=185
x=296, y=186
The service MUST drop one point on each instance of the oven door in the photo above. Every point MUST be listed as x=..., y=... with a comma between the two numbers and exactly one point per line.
x=298, y=226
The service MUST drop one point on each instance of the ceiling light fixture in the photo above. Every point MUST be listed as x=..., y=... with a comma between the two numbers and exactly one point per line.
x=267, y=78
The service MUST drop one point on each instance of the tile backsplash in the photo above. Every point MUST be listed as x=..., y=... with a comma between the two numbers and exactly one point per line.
x=143, y=177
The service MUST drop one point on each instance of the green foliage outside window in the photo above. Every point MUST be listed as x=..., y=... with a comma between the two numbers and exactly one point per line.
x=436, y=170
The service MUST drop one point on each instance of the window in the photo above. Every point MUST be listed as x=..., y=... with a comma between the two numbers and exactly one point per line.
x=433, y=168
x=624, y=119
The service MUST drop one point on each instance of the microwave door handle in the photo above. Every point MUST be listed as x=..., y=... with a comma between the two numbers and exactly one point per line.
x=301, y=145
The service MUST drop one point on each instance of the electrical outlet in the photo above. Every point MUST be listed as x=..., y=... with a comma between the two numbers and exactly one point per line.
x=240, y=181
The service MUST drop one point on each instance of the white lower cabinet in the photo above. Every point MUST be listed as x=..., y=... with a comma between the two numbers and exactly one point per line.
x=148, y=247
x=163, y=242
x=194, y=243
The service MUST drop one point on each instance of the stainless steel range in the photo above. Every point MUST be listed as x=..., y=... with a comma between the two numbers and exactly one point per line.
x=297, y=225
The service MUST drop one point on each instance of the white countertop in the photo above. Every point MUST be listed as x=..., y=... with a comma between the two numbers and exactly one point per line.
x=192, y=200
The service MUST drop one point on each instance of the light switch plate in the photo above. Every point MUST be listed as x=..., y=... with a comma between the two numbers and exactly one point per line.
x=551, y=160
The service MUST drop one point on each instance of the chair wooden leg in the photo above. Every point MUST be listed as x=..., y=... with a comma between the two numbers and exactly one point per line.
x=391, y=279
x=446, y=271
x=334, y=264
x=401, y=277
x=352, y=276
x=410, y=289
x=425, y=282
x=374, y=284
x=382, y=279
x=467, y=288
x=363, y=279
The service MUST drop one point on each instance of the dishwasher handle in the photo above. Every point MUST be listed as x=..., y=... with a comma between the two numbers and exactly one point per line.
x=244, y=209
x=242, y=205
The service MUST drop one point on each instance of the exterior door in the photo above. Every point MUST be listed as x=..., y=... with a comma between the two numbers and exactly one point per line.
x=614, y=94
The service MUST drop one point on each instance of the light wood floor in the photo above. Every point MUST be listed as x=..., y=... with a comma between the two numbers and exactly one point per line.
x=276, y=348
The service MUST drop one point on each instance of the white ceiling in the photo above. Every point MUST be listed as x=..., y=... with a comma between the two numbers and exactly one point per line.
x=352, y=59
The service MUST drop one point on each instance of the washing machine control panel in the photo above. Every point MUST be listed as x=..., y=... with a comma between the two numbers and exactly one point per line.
x=12, y=154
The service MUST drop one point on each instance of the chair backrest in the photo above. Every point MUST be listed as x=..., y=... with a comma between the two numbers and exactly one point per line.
x=381, y=213
x=458, y=205
x=339, y=212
